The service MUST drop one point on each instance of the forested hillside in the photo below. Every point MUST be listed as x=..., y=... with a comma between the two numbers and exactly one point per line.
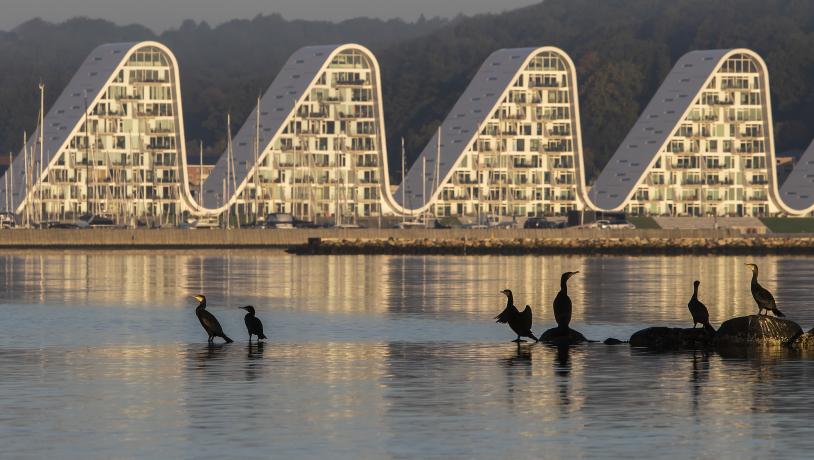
x=622, y=49
x=223, y=68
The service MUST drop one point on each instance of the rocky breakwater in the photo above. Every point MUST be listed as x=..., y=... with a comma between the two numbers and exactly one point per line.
x=805, y=341
x=740, y=332
x=561, y=245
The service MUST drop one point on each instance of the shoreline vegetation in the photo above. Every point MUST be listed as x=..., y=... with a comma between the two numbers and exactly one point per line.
x=421, y=241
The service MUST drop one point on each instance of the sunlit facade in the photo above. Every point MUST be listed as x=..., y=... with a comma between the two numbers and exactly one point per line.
x=716, y=159
x=314, y=147
x=112, y=143
x=322, y=160
x=510, y=146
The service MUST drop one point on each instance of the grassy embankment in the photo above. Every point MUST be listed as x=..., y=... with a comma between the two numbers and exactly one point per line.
x=643, y=222
x=789, y=225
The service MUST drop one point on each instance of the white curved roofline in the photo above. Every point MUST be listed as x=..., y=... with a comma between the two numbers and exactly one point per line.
x=797, y=191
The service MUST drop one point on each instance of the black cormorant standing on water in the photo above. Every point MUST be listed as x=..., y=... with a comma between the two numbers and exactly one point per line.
x=562, y=303
x=208, y=321
x=520, y=322
x=253, y=324
x=699, y=312
x=763, y=298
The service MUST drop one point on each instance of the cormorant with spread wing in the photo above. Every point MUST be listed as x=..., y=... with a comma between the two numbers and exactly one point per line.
x=520, y=322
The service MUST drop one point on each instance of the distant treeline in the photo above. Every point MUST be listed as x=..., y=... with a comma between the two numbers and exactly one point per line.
x=622, y=50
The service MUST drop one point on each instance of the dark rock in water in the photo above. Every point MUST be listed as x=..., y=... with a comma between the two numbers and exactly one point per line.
x=757, y=330
x=805, y=341
x=557, y=336
x=612, y=341
x=671, y=338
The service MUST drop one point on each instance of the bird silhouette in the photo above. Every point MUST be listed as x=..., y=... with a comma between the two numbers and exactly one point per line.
x=253, y=324
x=520, y=322
x=699, y=312
x=763, y=298
x=562, y=303
x=208, y=321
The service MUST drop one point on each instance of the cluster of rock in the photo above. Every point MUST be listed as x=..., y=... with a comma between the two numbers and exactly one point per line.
x=559, y=336
x=631, y=245
x=753, y=330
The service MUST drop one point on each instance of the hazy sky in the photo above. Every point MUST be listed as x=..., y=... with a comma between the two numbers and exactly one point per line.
x=162, y=14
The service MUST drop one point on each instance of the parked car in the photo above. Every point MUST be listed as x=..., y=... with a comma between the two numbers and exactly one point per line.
x=94, y=221
x=63, y=225
x=611, y=224
x=440, y=225
x=410, y=224
x=304, y=223
x=491, y=221
x=7, y=220
x=280, y=220
x=202, y=222
x=539, y=222
x=621, y=224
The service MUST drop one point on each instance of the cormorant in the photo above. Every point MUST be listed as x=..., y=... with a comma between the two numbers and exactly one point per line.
x=699, y=312
x=519, y=322
x=208, y=321
x=253, y=324
x=763, y=298
x=562, y=303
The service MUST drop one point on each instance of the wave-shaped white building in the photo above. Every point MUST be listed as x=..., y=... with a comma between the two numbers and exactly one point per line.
x=511, y=145
x=113, y=143
x=702, y=146
x=314, y=146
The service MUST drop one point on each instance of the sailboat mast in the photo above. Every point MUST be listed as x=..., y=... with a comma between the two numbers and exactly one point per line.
x=336, y=188
x=11, y=182
x=403, y=165
x=233, y=191
x=437, y=179
x=257, y=191
x=226, y=194
x=200, y=173
x=5, y=182
x=27, y=181
x=42, y=146
x=87, y=158
x=424, y=186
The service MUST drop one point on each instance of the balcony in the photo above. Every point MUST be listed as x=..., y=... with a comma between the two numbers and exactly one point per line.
x=350, y=82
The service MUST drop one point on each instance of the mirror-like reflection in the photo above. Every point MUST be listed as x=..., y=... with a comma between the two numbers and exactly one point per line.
x=386, y=357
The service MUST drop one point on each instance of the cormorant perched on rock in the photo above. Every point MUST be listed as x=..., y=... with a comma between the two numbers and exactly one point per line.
x=562, y=303
x=699, y=312
x=253, y=324
x=208, y=321
x=519, y=322
x=763, y=298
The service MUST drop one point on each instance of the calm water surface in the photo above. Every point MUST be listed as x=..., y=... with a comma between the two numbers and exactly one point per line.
x=101, y=357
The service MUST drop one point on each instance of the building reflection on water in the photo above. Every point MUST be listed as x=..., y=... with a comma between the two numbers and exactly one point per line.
x=608, y=290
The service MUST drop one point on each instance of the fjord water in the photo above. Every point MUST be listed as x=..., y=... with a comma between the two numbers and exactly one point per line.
x=101, y=356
